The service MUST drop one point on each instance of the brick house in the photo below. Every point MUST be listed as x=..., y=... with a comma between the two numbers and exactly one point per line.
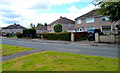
x=67, y=24
x=91, y=20
x=16, y=28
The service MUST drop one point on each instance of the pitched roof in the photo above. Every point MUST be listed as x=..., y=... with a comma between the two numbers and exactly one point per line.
x=41, y=27
x=15, y=26
x=91, y=13
x=63, y=20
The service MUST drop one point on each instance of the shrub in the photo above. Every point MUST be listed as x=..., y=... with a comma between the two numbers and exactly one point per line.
x=29, y=33
x=58, y=36
x=58, y=28
x=19, y=35
x=8, y=34
x=65, y=31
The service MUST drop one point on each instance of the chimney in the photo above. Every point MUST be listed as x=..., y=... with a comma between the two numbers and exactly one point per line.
x=61, y=17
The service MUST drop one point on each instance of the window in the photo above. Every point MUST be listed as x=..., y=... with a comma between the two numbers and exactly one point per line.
x=106, y=28
x=89, y=28
x=104, y=18
x=90, y=20
x=69, y=24
x=79, y=21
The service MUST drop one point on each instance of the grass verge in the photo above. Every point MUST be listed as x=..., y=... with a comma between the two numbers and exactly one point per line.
x=9, y=49
x=59, y=61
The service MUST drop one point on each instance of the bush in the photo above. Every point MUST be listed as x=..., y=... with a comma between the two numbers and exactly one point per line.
x=58, y=36
x=9, y=34
x=29, y=33
x=19, y=35
x=58, y=28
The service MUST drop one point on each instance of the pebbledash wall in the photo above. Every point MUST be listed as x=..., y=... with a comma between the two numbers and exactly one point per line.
x=67, y=24
x=93, y=21
x=107, y=38
x=12, y=30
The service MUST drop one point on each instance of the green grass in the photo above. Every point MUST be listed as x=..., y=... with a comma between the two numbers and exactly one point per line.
x=9, y=49
x=59, y=61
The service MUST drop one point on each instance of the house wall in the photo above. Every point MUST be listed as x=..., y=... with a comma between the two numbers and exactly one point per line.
x=68, y=27
x=12, y=30
x=50, y=28
x=40, y=31
x=97, y=24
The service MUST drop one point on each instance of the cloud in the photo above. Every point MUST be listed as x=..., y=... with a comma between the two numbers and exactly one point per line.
x=73, y=13
x=25, y=12
x=9, y=21
x=59, y=2
x=73, y=9
x=11, y=15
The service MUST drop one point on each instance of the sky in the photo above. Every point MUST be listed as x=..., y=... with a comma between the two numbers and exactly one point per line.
x=24, y=12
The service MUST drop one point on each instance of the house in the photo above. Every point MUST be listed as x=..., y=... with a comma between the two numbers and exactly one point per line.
x=0, y=31
x=41, y=29
x=67, y=24
x=16, y=28
x=91, y=20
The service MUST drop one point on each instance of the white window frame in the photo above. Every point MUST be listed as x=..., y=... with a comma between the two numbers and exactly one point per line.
x=90, y=20
x=79, y=21
x=106, y=31
x=106, y=18
x=86, y=28
x=69, y=25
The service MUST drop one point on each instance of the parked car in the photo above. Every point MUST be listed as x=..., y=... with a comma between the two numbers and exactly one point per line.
x=91, y=34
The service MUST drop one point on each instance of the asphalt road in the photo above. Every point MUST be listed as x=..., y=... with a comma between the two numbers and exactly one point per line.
x=102, y=51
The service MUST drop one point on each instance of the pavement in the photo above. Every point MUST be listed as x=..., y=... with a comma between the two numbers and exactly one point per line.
x=80, y=47
x=84, y=42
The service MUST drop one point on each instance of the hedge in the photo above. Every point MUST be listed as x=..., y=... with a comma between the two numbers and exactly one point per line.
x=29, y=33
x=19, y=35
x=58, y=36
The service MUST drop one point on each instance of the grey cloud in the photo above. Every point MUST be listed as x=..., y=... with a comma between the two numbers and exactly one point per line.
x=11, y=15
x=9, y=21
x=44, y=5
x=7, y=13
x=6, y=10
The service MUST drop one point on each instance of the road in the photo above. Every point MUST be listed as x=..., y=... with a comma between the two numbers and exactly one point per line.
x=102, y=51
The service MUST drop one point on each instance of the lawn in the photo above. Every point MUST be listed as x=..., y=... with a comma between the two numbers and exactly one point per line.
x=9, y=49
x=59, y=61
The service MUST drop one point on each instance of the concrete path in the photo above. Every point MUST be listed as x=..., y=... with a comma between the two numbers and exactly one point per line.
x=42, y=45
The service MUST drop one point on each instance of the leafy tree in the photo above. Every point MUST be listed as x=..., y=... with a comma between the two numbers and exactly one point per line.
x=109, y=9
x=58, y=28
x=32, y=26
x=45, y=24
x=39, y=24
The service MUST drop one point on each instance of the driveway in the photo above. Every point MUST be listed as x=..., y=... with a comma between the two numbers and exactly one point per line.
x=102, y=51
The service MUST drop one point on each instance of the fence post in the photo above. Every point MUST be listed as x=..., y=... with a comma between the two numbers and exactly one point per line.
x=72, y=36
x=97, y=37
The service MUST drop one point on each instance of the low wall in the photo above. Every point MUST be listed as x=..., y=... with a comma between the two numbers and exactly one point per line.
x=106, y=38
x=118, y=39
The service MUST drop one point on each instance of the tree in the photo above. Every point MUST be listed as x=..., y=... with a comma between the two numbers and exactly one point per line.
x=109, y=9
x=58, y=28
x=39, y=24
x=45, y=24
x=32, y=26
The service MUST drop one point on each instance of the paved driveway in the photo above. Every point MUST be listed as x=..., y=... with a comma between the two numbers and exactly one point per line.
x=103, y=51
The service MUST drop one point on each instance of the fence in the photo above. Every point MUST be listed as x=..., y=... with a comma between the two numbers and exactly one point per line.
x=77, y=36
